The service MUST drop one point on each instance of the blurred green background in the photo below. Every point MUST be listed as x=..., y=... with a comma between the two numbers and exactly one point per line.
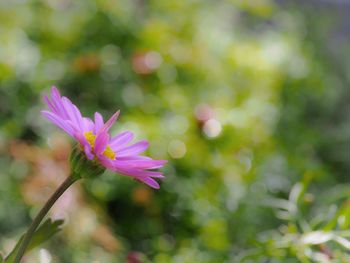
x=248, y=100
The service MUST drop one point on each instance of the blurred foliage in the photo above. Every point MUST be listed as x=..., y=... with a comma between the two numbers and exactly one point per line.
x=248, y=100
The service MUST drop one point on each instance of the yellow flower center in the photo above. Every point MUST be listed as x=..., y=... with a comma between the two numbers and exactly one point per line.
x=90, y=137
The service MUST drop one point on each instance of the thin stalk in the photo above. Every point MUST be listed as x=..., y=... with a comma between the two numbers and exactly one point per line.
x=31, y=230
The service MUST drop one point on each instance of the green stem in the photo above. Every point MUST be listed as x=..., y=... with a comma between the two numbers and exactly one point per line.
x=28, y=236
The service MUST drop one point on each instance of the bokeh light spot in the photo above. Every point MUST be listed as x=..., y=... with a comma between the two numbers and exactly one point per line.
x=212, y=128
x=177, y=149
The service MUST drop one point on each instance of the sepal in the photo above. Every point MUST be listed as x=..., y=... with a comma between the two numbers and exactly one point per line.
x=82, y=167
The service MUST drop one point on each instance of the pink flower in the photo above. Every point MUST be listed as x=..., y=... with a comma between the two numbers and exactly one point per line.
x=113, y=153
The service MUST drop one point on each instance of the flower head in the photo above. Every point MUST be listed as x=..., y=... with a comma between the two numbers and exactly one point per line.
x=114, y=153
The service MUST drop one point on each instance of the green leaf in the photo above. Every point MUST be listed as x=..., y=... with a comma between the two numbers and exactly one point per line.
x=45, y=231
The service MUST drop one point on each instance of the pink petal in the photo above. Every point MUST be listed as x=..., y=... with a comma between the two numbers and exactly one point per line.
x=120, y=140
x=153, y=174
x=81, y=138
x=88, y=124
x=57, y=102
x=51, y=106
x=88, y=152
x=149, y=181
x=73, y=113
x=111, y=121
x=63, y=124
x=106, y=162
x=101, y=142
x=134, y=149
x=98, y=122
x=143, y=176
x=64, y=108
x=55, y=92
x=139, y=174
x=133, y=172
x=142, y=164
x=134, y=158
